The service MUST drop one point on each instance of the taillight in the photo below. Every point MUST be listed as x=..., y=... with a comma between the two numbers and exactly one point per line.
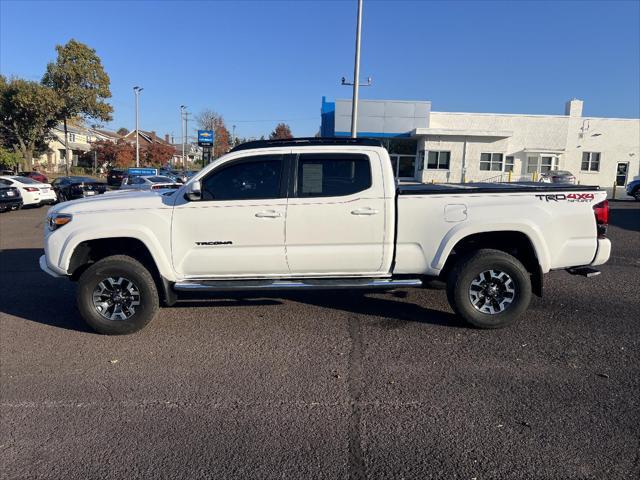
x=601, y=211
x=31, y=189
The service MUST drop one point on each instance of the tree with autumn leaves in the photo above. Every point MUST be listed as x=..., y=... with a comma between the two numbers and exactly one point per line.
x=281, y=132
x=122, y=154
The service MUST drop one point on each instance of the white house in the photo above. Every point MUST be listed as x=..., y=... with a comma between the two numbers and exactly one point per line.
x=431, y=146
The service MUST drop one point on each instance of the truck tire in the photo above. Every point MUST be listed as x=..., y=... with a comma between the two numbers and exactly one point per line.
x=489, y=288
x=117, y=295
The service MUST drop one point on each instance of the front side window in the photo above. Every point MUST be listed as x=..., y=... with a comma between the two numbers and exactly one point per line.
x=491, y=161
x=590, y=162
x=332, y=175
x=438, y=160
x=248, y=179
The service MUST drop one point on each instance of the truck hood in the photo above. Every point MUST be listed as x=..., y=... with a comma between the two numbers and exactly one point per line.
x=117, y=200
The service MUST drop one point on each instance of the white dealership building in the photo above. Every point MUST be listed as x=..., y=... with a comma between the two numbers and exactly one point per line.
x=428, y=146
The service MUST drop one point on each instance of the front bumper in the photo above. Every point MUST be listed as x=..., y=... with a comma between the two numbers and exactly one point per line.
x=47, y=269
x=603, y=252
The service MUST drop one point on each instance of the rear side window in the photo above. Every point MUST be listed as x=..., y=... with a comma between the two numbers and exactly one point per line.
x=332, y=175
x=252, y=178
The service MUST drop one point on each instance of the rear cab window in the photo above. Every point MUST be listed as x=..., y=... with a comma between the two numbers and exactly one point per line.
x=332, y=174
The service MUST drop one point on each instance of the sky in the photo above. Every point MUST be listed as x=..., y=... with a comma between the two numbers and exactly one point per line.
x=261, y=62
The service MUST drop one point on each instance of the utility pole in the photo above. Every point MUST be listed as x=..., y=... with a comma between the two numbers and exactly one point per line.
x=356, y=76
x=183, y=109
x=136, y=91
x=233, y=136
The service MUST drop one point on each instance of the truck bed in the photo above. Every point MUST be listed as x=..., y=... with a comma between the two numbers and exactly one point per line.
x=490, y=187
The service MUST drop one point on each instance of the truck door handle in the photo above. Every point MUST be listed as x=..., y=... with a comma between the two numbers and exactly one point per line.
x=268, y=214
x=364, y=211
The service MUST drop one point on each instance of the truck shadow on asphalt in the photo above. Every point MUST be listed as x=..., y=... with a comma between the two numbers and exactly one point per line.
x=30, y=294
x=625, y=215
x=389, y=311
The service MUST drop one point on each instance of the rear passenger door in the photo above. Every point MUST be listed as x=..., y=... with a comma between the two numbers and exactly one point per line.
x=335, y=215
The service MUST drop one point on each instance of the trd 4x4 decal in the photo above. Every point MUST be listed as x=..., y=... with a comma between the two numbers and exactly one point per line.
x=569, y=197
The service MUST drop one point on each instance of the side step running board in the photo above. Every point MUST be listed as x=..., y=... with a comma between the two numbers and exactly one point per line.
x=302, y=284
x=584, y=271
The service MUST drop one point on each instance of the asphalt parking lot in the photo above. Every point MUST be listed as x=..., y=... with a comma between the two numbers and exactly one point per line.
x=322, y=385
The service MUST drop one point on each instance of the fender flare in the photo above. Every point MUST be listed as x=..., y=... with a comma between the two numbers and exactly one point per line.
x=461, y=231
x=137, y=232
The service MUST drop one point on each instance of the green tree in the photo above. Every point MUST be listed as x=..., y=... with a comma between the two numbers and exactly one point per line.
x=28, y=113
x=9, y=159
x=122, y=131
x=79, y=79
x=282, y=131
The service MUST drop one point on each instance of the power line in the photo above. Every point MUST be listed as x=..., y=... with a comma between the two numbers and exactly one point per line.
x=273, y=120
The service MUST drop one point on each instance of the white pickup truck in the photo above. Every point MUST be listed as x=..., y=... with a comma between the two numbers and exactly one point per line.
x=321, y=214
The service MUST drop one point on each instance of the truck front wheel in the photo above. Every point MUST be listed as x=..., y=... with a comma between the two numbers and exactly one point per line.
x=117, y=295
x=489, y=288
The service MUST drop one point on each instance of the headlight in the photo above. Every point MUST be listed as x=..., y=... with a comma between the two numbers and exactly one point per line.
x=57, y=220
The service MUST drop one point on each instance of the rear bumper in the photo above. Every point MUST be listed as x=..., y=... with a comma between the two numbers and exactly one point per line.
x=603, y=252
x=10, y=204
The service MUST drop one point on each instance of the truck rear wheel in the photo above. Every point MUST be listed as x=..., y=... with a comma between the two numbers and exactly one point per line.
x=117, y=295
x=489, y=288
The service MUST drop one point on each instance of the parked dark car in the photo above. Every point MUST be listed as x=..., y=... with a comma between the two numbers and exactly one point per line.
x=557, y=176
x=10, y=198
x=115, y=177
x=633, y=189
x=174, y=175
x=71, y=188
x=37, y=176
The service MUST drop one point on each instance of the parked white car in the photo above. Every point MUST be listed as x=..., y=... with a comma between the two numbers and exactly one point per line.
x=148, y=182
x=33, y=193
x=322, y=214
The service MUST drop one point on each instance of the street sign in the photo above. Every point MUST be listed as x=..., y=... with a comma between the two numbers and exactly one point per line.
x=142, y=171
x=205, y=138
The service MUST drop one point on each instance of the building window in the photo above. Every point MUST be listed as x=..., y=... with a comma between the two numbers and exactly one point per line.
x=590, y=162
x=72, y=137
x=546, y=164
x=438, y=160
x=508, y=163
x=491, y=161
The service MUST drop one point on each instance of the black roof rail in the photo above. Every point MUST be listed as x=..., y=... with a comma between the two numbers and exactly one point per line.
x=308, y=141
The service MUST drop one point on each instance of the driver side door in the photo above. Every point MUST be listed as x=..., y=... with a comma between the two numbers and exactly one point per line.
x=237, y=228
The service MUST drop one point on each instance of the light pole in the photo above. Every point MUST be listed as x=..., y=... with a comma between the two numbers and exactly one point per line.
x=136, y=91
x=356, y=76
x=183, y=109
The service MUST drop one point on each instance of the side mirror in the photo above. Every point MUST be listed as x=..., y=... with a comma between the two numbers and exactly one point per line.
x=194, y=191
